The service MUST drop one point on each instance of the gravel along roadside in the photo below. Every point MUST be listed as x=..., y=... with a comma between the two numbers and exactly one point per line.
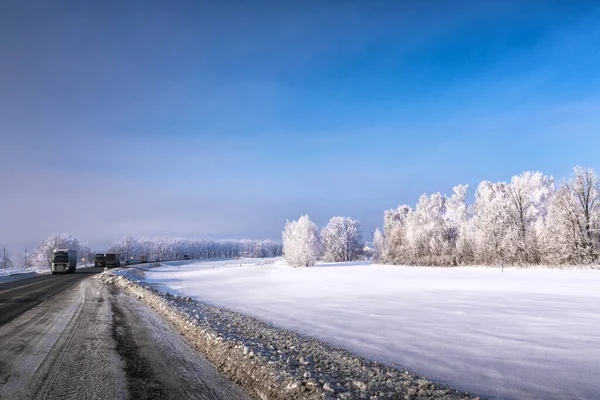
x=273, y=363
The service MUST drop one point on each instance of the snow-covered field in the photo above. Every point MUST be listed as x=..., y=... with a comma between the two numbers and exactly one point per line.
x=531, y=333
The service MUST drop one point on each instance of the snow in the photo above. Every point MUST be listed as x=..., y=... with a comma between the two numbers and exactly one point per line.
x=15, y=274
x=520, y=333
x=271, y=362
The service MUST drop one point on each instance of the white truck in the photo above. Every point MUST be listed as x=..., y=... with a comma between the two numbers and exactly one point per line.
x=64, y=261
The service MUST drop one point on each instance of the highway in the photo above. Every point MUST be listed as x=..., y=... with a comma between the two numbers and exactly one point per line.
x=72, y=337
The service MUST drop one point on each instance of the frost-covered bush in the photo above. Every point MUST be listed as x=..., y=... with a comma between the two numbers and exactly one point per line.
x=301, y=245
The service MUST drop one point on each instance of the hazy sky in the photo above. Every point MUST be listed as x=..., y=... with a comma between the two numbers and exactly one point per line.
x=225, y=118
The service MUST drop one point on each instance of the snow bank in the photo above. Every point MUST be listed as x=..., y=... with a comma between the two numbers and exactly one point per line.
x=520, y=333
x=14, y=274
x=273, y=363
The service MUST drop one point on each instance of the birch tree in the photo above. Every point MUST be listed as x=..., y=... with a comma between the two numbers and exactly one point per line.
x=128, y=248
x=301, y=245
x=527, y=198
x=43, y=254
x=379, y=246
x=394, y=230
x=573, y=227
x=341, y=240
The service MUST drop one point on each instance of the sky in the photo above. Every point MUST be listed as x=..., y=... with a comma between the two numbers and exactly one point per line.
x=224, y=119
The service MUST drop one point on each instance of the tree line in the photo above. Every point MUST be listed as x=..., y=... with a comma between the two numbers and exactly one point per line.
x=165, y=248
x=157, y=249
x=528, y=221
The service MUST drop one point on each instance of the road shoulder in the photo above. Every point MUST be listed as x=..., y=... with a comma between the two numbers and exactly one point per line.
x=274, y=363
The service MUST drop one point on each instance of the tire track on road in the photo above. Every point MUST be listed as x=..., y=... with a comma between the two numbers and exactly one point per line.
x=141, y=381
x=91, y=341
x=24, y=295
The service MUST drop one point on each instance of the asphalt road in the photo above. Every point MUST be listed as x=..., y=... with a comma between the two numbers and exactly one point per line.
x=72, y=337
x=19, y=296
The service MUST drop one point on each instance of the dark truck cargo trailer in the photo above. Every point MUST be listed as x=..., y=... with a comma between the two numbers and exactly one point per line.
x=112, y=260
x=100, y=260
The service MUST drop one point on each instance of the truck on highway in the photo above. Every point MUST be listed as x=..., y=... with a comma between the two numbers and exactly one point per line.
x=100, y=260
x=64, y=261
x=112, y=260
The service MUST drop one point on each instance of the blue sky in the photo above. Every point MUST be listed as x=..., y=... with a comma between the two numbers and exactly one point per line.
x=224, y=119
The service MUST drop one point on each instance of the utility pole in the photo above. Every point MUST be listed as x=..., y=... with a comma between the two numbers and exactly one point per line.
x=4, y=258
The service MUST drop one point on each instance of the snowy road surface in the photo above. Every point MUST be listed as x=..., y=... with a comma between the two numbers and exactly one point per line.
x=89, y=341
x=512, y=335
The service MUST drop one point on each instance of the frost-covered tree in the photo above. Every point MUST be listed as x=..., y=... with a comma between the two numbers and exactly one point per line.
x=271, y=248
x=85, y=253
x=165, y=248
x=573, y=226
x=162, y=249
x=458, y=215
x=526, y=206
x=301, y=245
x=456, y=206
x=341, y=240
x=507, y=218
x=127, y=247
x=379, y=246
x=261, y=248
x=426, y=235
x=491, y=223
x=43, y=255
x=394, y=230
x=147, y=248
x=433, y=228
x=524, y=221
